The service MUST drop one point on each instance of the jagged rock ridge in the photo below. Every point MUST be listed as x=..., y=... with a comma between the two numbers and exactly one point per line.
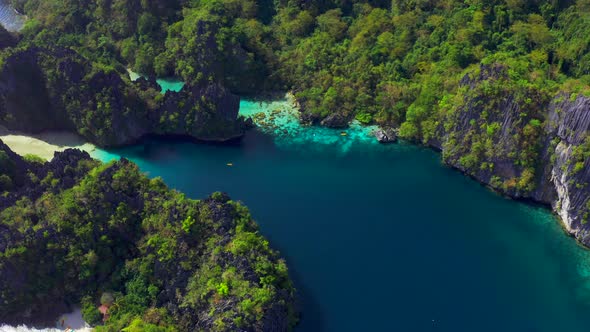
x=57, y=89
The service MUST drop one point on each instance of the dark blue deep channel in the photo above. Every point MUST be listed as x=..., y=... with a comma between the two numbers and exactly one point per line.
x=385, y=238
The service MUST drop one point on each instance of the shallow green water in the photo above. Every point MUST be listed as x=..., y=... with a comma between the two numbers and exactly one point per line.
x=166, y=84
x=280, y=119
x=385, y=238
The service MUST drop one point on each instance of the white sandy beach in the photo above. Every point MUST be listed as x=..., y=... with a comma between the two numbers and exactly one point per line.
x=43, y=145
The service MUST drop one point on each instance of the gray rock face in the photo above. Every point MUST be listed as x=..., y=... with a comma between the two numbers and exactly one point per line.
x=561, y=147
x=483, y=137
x=570, y=118
x=386, y=135
x=569, y=125
x=335, y=120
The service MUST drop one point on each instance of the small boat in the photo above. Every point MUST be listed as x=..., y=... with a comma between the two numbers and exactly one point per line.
x=230, y=164
x=343, y=133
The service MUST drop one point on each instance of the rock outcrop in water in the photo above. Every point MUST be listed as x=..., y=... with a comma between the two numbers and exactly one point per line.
x=386, y=135
x=522, y=143
x=57, y=89
x=72, y=228
x=335, y=120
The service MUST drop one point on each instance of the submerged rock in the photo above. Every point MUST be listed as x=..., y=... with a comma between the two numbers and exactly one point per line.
x=386, y=135
x=249, y=123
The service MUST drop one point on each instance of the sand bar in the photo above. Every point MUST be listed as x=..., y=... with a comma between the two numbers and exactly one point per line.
x=45, y=144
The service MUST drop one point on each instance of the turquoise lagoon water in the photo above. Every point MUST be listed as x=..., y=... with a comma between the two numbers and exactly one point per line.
x=166, y=84
x=279, y=119
x=384, y=237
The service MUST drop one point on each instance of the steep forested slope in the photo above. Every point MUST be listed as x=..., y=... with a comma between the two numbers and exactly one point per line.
x=499, y=86
x=73, y=229
x=57, y=89
x=388, y=62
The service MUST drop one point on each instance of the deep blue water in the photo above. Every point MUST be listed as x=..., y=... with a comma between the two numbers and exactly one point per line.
x=385, y=238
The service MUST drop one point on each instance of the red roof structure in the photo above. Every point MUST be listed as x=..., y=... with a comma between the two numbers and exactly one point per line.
x=104, y=310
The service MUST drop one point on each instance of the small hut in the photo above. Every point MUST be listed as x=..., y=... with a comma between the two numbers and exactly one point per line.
x=106, y=300
x=104, y=310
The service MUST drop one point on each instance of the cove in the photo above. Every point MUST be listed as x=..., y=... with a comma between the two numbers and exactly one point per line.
x=384, y=237
x=166, y=84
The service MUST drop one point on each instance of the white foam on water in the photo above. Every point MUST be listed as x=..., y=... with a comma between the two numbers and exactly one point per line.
x=71, y=322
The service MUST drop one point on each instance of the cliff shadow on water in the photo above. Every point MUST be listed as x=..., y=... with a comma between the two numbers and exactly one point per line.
x=377, y=237
x=344, y=209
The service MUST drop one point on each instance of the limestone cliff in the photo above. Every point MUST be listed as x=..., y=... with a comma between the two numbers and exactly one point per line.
x=522, y=142
x=569, y=126
x=493, y=131
x=49, y=89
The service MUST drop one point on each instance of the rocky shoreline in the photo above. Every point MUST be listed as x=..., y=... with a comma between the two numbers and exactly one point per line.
x=557, y=180
x=561, y=149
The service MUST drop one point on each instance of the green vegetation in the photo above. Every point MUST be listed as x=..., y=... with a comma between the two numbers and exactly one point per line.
x=379, y=61
x=398, y=63
x=32, y=158
x=7, y=170
x=507, y=127
x=470, y=77
x=580, y=154
x=158, y=260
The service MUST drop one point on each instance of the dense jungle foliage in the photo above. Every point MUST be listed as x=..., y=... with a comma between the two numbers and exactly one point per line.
x=76, y=231
x=395, y=63
x=479, y=73
x=378, y=61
